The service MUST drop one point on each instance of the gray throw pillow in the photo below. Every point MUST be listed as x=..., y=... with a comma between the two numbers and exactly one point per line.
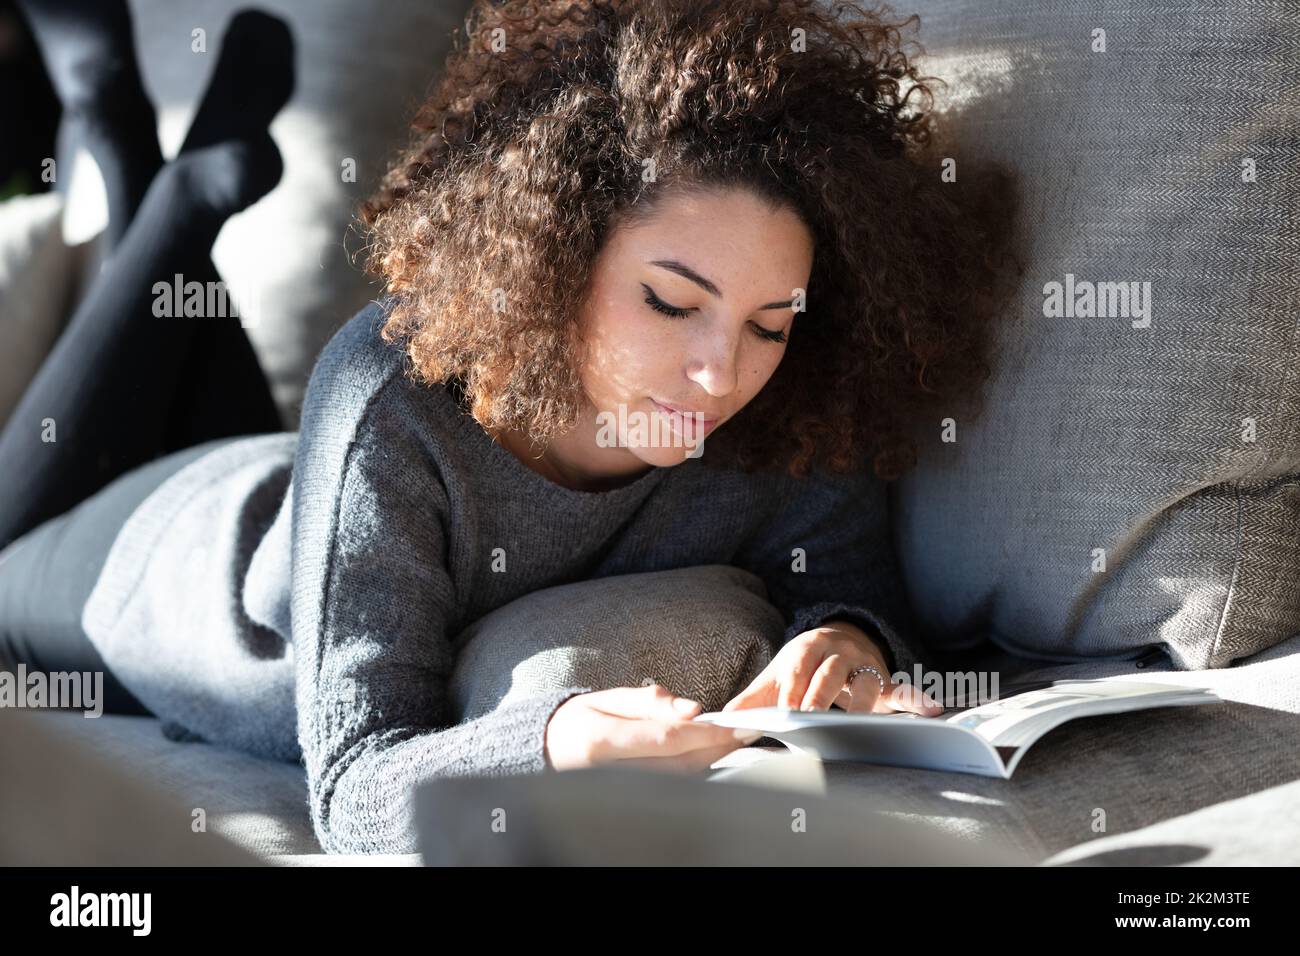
x=1134, y=479
x=703, y=632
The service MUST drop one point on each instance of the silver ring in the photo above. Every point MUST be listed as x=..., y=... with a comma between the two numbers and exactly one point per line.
x=865, y=667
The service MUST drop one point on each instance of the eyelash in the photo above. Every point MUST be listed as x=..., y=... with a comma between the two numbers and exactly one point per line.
x=659, y=305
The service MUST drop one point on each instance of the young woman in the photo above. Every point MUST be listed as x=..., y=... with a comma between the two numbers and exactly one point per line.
x=661, y=279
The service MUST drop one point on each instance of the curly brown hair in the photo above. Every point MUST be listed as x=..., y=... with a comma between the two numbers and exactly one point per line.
x=532, y=148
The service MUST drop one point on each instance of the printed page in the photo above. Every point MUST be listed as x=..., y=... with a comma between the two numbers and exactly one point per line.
x=1020, y=720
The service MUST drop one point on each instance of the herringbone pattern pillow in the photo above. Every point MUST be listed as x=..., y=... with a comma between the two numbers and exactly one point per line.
x=703, y=632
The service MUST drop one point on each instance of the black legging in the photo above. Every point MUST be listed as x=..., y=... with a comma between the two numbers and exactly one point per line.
x=128, y=398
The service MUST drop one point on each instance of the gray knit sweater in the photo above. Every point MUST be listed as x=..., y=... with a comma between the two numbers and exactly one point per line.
x=295, y=595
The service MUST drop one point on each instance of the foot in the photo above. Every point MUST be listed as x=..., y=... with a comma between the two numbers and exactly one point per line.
x=252, y=81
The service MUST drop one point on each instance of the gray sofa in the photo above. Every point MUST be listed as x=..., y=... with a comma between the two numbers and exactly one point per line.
x=1134, y=480
x=1208, y=785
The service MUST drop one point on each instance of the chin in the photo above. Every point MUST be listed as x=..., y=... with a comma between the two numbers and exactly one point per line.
x=665, y=456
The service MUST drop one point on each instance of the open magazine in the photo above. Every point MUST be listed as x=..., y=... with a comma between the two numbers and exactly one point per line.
x=988, y=739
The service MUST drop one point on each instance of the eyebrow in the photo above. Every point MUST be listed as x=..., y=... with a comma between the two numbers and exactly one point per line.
x=686, y=272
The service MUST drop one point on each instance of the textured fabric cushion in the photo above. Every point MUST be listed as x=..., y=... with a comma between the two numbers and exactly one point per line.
x=258, y=805
x=703, y=632
x=1262, y=829
x=362, y=68
x=1100, y=439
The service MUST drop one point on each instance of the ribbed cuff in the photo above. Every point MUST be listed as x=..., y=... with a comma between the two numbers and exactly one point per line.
x=549, y=710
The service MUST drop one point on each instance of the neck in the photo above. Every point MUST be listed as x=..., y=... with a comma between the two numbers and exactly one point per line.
x=572, y=460
x=558, y=463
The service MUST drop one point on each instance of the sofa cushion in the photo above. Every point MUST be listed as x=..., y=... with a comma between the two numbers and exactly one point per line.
x=255, y=805
x=1262, y=829
x=258, y=804
x=1171, y=764
x=1129, y=482
x=612, y=815
x=1139, y=768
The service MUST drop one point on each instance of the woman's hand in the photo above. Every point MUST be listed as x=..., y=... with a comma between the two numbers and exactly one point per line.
x=808, y=673
x=637, y=726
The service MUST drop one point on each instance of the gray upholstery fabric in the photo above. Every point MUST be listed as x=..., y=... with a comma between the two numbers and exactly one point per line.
x=362, y=68
x=615, y=631
x=1178, y=786
x=703, y=632
x=1172, y=764
x=1138, y=768
x=78, y=791
x=1097, y=434
x=1262, y=829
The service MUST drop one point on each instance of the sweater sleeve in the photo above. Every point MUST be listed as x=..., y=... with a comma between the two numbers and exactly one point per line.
x=825, y=556
x=373, y=665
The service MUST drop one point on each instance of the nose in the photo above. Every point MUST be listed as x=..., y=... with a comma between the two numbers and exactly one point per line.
x=713, y=366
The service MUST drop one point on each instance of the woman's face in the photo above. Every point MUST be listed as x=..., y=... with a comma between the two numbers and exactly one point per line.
x=727, y=267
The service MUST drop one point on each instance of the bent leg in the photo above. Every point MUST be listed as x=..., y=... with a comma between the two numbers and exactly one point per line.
x=98, y=407
x=120, y=386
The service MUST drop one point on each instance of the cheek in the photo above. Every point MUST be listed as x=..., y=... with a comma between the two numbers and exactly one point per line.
x=760, y=365
x=624, y=349
x=617, y=325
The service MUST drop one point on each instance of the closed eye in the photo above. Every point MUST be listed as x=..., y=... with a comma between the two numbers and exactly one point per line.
x=659, y=305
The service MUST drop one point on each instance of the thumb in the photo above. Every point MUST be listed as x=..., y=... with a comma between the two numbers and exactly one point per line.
x=760, y=693
x=911, y=698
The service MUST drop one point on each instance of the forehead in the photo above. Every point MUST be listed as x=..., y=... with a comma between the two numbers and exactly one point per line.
x=721, y=234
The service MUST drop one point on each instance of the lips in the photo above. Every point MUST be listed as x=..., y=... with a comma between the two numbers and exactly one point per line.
x=686, y=423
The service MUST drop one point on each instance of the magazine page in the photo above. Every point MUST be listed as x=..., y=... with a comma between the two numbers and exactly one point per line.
x=1019, y=720
x=987, y=739
x=997, y=721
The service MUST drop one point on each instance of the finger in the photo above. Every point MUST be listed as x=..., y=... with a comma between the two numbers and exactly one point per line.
x=650, y=701
x=624, y=737
x=650, y=720
x=826, y=683
x=696, y=760
x=910, y=698
x=647, y=739
x=865, y=693
x=796, y=675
